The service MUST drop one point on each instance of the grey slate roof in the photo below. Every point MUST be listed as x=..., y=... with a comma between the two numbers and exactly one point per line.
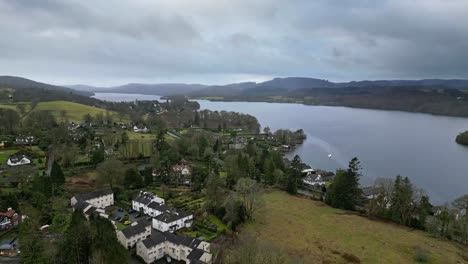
x=171, y=215
x=92, y=195
x=160, y=237
x=195, y=255
x=144, y=197
x=81, y=205
x=159, y=207
x=155, y=239
x=133, y=230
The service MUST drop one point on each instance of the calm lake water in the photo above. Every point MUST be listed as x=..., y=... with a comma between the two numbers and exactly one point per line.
x=387, y=143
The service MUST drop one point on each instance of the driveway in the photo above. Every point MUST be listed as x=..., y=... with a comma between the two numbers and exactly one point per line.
x=131, y=217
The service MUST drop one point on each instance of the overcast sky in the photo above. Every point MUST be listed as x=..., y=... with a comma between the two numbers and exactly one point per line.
x=221, y=41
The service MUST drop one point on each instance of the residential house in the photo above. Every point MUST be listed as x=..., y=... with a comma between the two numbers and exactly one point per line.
x=25, y=140
x=9, y=219
x=135, y=233
x=144, y=199
x=18, y=160
x=183, y=171
x=88, y=209
x=372, y=192
x=99, y=199
x=177, y=247
x=140, y=130
x=172, y=220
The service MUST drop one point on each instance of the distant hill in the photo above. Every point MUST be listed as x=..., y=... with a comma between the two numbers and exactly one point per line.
x=23, y=83
x=272, y=87
x=139, y=88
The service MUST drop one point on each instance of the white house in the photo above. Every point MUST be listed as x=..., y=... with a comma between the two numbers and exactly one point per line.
x=135, y=233
x=140, y=130
x=88, y=209
x=154, y=209
x=141, y=202
x=99, y=199
x=18, y=160
x=178, y=247
x=172, y=220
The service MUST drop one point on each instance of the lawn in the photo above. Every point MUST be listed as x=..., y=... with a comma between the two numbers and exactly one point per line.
x=317, y=233
x=4, y=154
x=73, y=111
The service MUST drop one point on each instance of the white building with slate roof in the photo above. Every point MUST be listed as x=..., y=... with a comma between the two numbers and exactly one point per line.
x=178, y=247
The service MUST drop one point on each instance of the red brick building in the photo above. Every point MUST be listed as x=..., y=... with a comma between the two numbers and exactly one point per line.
x=9, y=219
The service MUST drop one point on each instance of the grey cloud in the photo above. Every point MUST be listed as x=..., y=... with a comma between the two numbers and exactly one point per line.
x=106, y=42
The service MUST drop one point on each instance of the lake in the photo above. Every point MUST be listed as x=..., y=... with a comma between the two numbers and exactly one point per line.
x=387, y=143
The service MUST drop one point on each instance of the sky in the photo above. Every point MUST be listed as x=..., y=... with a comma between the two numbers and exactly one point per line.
x=113, y=42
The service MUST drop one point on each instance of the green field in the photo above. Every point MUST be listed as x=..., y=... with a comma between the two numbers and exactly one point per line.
x=316, y=233
x=74, y=112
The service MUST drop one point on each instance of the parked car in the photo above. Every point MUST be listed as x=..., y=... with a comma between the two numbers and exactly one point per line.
x=127, y=222
x=117, y=218
x=120, y=209
x=131, y=211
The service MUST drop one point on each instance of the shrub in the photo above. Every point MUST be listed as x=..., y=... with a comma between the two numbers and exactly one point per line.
x=421, y=255
x=350, y=258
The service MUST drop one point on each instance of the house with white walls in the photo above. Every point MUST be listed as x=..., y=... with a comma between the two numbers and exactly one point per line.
x=177, y=247
x=135, y=233
x=172, y=220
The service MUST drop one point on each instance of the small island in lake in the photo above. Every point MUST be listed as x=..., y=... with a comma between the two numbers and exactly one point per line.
x=462, y=138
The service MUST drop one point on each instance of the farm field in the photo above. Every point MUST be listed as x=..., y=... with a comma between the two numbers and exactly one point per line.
x=316, y=233
x=74, y=112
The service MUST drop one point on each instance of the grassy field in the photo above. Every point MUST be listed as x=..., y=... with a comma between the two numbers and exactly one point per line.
x=316, y=233
x=73, y=111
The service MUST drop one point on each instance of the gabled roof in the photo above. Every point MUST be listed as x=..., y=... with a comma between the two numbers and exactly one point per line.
x=155, y=239
x=133, y=230
x=92, y=195
x=169, y=216
x=144, y=197
x=17, y=158
x=196, y=254
x=160, y=237
x=159, y=206
x=8, y=214
x=372, y=190
x=81, y=205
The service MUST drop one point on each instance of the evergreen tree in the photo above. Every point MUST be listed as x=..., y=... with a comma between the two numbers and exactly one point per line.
x=294, y=175
x=344, y=192
x=56, y=177
x=105, y=246
x=402, y=205
x=76, y=245
x=32, y=246
x=197, y=119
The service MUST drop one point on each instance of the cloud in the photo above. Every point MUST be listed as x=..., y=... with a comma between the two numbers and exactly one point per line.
x=217, y=41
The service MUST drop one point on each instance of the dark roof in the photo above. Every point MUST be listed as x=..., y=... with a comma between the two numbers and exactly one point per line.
x=17, y=158
x=195, y=254
x=367, y=191
x=81, y=205
x=92, y=195
x=158, y=206
x=185, y=240
x=159, y=237
x=170, y=216
x=144, y=222
x=155, y=239
x=144, y=197
x=133, y=230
